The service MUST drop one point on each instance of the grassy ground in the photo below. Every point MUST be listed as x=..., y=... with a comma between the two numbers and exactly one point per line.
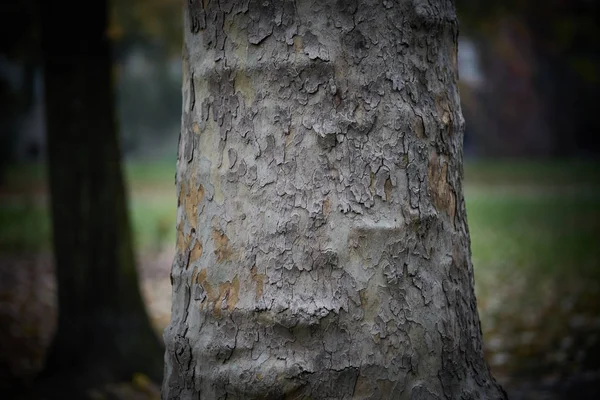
x=534, y=236
x=25, y=222
x=534, y=229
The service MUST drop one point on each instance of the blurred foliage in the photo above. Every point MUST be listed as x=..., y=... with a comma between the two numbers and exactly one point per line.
x=149, y=113
x=564, y=23
x=25, y=227
x=19, y=36
x=131, y=22
x=557, y=173
x=565, y=28
x=541, y=63
x=158, y=22
x=19, y=31
x=147, y=38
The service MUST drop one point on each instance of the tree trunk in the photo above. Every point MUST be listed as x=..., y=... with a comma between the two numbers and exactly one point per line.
x=103, y=332
x=322, y=248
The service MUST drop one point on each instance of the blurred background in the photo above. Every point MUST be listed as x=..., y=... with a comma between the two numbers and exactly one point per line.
x=529, y=79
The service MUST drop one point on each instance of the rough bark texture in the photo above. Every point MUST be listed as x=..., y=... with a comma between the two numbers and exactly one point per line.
x=103, y=332
x=322, y=248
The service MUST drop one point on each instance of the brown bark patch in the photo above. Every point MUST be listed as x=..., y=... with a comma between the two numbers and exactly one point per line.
x=454, y=59
x=243, y=85
x=365, y=387
x=222, y=248
x=211, y=296
x=298, y=44
x=196, y=252
x=337, y=99
x=230, y=293
x=191, y=196
x=363, y=297
x=196, y=128
x=442, y=105
x=459, y=259
x=259, y=279
x=387, y=188
x=226, y=297
x=194, y=275
x=441, y=192
x=419, y=127
x=326, y=207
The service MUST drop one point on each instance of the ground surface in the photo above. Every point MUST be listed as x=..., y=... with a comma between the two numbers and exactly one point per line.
x=535, y=229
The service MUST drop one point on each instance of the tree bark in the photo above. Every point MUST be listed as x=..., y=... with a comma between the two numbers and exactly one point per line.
x=103, y=334
x=322, y=249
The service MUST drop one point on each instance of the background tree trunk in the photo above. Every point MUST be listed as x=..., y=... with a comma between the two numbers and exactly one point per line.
x=322, y=248
x=103, y=332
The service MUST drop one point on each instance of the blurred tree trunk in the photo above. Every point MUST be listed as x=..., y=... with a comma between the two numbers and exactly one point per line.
x=103, y=331
x=18, y=32
x=323, y=249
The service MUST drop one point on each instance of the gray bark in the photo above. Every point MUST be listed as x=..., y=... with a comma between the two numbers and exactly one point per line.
x=322, y=248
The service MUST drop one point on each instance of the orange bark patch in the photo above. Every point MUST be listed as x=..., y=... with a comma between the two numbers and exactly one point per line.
x=229, y=293
x=441, y=191
x=191, y=196
x=260, y=281
x=227, y=296
x=222, y=248
x=210, y=293
x=196, y=252
x=194, y=275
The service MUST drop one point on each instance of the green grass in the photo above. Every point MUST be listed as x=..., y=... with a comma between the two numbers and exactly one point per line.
x=151, y=172
x=536, y=238
x=26, y=227
x=153, y=219
x=159, y=172
x=555, y=172
x=538, y=231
